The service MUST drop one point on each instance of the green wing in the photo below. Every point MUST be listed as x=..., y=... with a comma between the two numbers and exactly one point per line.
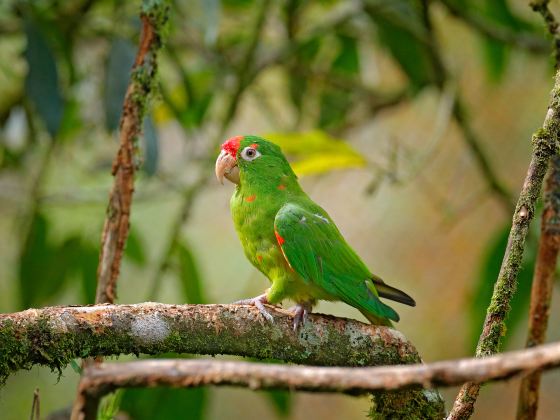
x=316, y=250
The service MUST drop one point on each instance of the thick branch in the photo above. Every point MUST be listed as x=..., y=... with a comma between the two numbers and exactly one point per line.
x=142, y=82
x=545, y=144
x=54, y=336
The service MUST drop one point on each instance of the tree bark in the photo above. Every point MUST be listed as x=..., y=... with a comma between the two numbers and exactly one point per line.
x=54, y=336
x=545, y=145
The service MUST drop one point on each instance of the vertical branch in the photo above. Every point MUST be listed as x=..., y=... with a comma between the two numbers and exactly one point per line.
x=245, y=74
x=541, y=292
x=545, y=144
x=549, y=247
x=142, y=84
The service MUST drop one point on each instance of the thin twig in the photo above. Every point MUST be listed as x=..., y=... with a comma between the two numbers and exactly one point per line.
x=101, y=379
x=517, y=39
x=36, y=406
x=115, y=230
x=541, y=6
x=545, y=144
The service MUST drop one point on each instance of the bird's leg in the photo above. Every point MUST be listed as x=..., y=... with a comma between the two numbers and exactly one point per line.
x=259, y=303
x=301, y=310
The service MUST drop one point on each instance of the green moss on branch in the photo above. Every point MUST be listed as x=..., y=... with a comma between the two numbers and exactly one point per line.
x=54, y=336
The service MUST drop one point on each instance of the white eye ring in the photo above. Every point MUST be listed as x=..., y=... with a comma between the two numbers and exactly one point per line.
x=250, y=153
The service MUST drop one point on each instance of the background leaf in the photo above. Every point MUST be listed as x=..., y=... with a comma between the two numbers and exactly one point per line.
x=336, y=101
x=42, y=84
x=281, y=400
x=400, y=29
x=151, y=147
x=315, y=152
x=189, y=275
x=117, y=75
x=164, y=403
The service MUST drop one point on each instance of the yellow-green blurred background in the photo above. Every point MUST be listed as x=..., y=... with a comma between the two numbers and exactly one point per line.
x=360, y=93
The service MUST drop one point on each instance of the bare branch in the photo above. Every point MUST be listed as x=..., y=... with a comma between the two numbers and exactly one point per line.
x=549, y=247
x=543, y=280
x=142, y=82
x=545, y=144
x=104, y=378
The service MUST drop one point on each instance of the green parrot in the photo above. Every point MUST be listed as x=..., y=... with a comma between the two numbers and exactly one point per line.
x=292, y=240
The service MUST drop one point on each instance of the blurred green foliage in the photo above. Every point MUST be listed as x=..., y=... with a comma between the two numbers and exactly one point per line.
x=74, y=65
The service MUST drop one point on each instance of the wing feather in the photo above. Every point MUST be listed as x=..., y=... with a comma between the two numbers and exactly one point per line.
x=315, y=249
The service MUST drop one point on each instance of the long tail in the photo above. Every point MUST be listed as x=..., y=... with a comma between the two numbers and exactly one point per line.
x=389, y=292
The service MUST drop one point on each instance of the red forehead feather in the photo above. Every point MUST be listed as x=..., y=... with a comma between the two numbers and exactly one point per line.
x=232, y=144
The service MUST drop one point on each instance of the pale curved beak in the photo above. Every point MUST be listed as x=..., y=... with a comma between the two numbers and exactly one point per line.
x=226, y=166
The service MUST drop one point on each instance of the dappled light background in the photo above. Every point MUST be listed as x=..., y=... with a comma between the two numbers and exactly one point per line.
x=399, y=178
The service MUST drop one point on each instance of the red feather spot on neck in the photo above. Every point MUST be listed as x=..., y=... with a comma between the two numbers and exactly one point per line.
x=232, y=145
x=279, y=238
x=281, y=187
x=260, y=258
x=251, y=198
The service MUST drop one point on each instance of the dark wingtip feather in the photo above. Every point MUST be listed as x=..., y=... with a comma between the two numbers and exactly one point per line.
x=392, y=293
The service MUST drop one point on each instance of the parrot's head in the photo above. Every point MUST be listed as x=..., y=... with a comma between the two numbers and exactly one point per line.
x=245, y=157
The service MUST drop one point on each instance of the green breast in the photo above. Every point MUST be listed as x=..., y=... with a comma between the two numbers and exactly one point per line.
x=254, y=222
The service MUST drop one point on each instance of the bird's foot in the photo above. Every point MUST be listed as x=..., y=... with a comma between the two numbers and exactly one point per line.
x=259, y=303
x=301, y=310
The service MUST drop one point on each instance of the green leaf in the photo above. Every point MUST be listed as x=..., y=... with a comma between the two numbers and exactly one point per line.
x=164, y=403
x=315, y=152
x=335, y=101
x=298, y=82
x=191, y=281
x=76, y=367
x=496, y=53
x=348, y=58
x=134, y=249
x=401, y=30
x=117, y=76
x=35, y=283
x=110, y=404
x=88, y=261
x=41, y=83
x=151, y=148
x=490, y=268
x=281, y=400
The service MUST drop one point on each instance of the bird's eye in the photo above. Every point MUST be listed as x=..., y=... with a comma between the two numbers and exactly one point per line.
x=250, y=153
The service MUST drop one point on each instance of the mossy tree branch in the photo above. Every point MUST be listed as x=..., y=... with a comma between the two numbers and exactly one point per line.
x=142, y=84
x=541, y=291
x=54, y=336
x=549, y=247
x=545, y=145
